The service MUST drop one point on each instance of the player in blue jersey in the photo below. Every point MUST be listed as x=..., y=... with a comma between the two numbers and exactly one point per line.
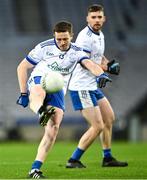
x=87, y=98
x=57, y=54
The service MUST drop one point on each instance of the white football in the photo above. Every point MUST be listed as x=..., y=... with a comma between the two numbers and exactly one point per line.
x=52, y=82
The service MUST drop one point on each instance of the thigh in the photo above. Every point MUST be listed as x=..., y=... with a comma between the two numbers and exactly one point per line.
x=54, y=99
x=33, y=81
x=36, y=92
x=34, y=88
x=106, y=110
x=93, y=115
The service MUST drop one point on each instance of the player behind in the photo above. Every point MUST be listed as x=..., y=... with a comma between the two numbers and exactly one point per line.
x=57, y=54
x=85, y=95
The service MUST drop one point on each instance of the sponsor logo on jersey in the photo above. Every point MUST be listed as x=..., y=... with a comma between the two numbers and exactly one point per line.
x=49, y=54
x=55, y=67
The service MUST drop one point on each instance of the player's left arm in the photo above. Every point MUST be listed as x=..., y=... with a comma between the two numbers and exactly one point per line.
x=94, y=68
x=101, y=77
x=111, y=67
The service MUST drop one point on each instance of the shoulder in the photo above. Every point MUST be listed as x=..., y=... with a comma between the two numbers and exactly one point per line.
x=79, y=51
x=76, y=47
x=49, y=42
x=86, y=32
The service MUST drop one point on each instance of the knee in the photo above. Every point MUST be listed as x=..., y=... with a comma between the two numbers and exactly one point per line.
x=101, y=127
x=98, y=128
x=112, y=117
x=110, y=121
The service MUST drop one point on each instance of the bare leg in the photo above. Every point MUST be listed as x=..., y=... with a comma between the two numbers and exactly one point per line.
x=51, y=131
x=106, y=135
x=108, y=118
x=37, y=96
x=93, y=116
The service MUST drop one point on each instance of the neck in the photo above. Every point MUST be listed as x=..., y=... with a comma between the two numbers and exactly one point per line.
x=95, y=32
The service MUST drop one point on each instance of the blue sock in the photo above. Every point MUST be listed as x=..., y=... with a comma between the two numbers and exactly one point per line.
x=77, y=154
x=37, y=164
x=107, y=153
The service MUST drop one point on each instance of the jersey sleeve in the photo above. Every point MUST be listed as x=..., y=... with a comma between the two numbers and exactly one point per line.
x=84, y=41
x=82, y=56
x=35, y=55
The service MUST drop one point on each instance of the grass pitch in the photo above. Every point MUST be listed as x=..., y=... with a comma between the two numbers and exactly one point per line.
x=16, y=159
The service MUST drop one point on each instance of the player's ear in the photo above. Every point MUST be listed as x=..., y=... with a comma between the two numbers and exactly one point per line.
x=53, y=33
x=87, y=19
x=72, y=34
x=104, y=18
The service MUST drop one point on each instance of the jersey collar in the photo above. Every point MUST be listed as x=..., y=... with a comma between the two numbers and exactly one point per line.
x=90, y=28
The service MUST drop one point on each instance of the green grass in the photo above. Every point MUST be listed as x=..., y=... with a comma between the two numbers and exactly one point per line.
x=16, y=159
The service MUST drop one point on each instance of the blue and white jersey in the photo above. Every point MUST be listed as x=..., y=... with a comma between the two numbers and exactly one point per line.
x=92, y=43
x=46, y=56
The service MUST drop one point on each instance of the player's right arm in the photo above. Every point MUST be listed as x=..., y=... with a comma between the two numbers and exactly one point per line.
x=22, y=73
x=34, y=56
x=31, y=60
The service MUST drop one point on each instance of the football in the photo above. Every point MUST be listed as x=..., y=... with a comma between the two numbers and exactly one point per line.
x=52, y=82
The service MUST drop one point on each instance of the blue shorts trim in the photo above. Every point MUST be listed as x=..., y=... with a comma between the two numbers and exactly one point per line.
x=85, y=99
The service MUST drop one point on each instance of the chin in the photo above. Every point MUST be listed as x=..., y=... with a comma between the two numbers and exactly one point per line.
x=97, y=28
x=64, y=49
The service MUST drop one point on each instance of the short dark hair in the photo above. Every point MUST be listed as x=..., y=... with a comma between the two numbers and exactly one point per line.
x=63, y=26
x=95, y=8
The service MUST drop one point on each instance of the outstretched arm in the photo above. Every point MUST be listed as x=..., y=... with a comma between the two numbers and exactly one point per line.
x=94, y=68
x=101, y=77
x=104, y=63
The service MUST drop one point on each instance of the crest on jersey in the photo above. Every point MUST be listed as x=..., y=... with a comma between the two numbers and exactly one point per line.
x=61, y=56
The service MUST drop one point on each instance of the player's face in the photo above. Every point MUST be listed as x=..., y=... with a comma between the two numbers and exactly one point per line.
x=96, y=20
x=63, y=40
